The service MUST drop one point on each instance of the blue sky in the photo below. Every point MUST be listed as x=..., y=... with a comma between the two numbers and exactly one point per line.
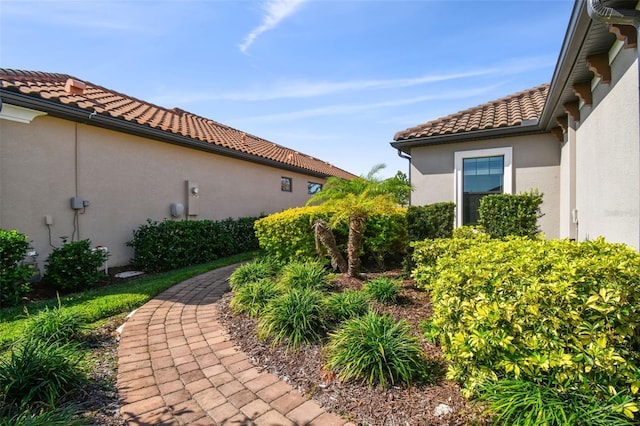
x=335, y=79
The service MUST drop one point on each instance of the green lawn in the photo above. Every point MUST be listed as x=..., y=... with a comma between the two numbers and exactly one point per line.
x=96, y=305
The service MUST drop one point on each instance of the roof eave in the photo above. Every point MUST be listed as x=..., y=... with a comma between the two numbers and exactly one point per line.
x=501, y=132
x=58, y=110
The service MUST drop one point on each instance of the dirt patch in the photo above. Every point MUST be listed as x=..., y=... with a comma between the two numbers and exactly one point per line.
x=358, y=402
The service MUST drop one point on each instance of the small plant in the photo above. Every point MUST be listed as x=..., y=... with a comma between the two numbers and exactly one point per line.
x=33, y=416
x=523, y=403
x=252, y=272
x=40, y=371
x=300, y=275
x=296, y=317
x=74, y=266
x=347, y=304
x=254, y=296
x=56, y=324
x=382, y=289
x=376, y=349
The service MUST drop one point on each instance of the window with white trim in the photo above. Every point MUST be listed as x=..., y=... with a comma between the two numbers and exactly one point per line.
x=478, y=173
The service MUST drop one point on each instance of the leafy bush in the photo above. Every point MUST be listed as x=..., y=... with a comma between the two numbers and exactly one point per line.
x=382, y=289
x=289, y=235
x=296, y=317
x=56, y=324
x=39, y=416
x=168, y=245
x=508, y=214
x=469, y=232
x=559, y=313
x=300, y=275
x=253, y=297
x=518, y=402
x=252, y=272
x=431, y=221
x=347, y=304
x=39, y=371
x=74, y=266
x=13, y=275
x=376, y=349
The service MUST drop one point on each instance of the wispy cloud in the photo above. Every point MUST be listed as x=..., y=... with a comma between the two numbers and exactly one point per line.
x=275, y=12
x=354, y=108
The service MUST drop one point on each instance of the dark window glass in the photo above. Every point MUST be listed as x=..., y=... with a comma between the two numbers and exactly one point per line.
x=286, y=184
x=481, y=176
x=313, y=187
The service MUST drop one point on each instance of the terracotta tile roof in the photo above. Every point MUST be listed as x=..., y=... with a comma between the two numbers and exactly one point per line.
x=71, y=91
x=505, y=112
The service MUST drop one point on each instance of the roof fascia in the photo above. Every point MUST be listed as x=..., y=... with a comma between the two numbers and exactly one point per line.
x=501, y=132
x=577, y=29
x=66, y=112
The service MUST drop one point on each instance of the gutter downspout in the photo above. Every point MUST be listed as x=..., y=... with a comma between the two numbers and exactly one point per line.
x=610, y=15
x=406, y=157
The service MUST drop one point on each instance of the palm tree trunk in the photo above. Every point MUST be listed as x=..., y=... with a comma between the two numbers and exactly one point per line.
x=354, y=245
x=325, y=236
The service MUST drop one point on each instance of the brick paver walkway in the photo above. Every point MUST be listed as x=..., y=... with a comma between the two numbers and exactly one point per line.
x=178, y=366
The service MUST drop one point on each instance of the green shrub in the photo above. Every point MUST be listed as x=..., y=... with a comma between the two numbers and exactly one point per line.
x=39, y=371
x=382, y=289
x=288, y=235
x=296, y=317
x=560, y=313
x=74, y=266
x=469, y=232
x=376, y=349
x=55, y=324
x=346, y=305
x=300, y=275
x=168, y=245
x=39, y=416
x=431, y=221
x=522, y=403
x=501, y=215
x=13, y=275
x=253, y=297
x=252, y=272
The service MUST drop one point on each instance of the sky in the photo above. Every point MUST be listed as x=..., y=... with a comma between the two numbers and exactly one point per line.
x=335, y=79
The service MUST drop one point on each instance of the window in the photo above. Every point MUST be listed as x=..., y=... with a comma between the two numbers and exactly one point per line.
x=479, y=173
x=286, y=184
x=313, y=187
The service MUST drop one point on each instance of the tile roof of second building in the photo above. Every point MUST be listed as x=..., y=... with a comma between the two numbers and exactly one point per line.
x=509, y=111
x=91, y=97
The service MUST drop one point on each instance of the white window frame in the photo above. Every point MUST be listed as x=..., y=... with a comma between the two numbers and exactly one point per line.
x=506, y=152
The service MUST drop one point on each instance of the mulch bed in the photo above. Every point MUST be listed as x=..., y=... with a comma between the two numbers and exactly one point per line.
x=355, y=401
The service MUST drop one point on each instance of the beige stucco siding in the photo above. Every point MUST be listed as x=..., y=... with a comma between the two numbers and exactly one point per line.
x=536, y=165
x=607, y=175
x=126, y=179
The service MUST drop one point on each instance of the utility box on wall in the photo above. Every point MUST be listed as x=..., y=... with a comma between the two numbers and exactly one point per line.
x=193, y=198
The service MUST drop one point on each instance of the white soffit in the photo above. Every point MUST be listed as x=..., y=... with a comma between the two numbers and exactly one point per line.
x=19, y=114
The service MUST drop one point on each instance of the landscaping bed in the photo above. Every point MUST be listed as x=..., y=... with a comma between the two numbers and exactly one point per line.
x=356, y=401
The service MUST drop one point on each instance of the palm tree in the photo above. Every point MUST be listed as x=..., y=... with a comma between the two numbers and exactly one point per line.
x=353, y=201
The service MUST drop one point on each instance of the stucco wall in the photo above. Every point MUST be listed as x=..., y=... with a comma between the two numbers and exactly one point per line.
x=126, y=179
x=607, y=175
x=536, y=164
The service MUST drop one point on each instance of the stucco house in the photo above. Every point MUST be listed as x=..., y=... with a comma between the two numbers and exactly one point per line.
x=78, y=160
x=575, y=139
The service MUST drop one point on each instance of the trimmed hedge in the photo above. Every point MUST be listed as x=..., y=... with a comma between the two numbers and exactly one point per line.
x=509, y=214
x=74, y=266
x=431, y=221
x=13, y=276
x=556, y=313
x=288, y=235
x=167, y=245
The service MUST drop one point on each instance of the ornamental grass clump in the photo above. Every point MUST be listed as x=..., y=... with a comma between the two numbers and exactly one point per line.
x=304, y=275
x=376, y=349
x=252, y=272
x=56, y=324
x=294, y=318
x=347, y=304
x=382, y=289
x=253, y=297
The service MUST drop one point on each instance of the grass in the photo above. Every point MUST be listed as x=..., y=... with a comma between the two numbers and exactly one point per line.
x=96, y=305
